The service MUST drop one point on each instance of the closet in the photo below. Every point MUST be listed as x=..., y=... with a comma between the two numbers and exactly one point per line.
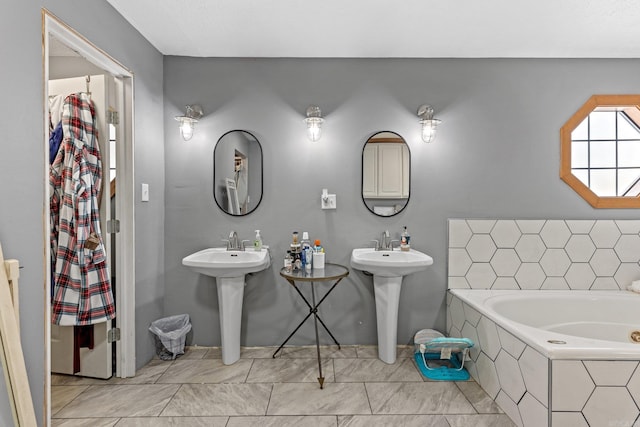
x=76, y=349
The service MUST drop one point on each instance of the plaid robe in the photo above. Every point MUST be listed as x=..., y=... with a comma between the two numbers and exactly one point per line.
x=82, y=292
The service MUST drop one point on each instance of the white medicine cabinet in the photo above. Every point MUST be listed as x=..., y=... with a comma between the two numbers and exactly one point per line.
x=386, y=171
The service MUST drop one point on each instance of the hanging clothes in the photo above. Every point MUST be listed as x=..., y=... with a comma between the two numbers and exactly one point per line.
x=55, y=110
x=82, y=288
x=55, y=139
x=242, y=185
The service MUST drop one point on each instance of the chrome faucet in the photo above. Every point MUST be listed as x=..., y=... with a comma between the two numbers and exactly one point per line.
x=232, y=242
x=385, y=243
x=384, y=240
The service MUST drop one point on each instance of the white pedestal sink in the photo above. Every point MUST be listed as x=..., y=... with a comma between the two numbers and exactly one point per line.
x=388, y=268
x=229, y=268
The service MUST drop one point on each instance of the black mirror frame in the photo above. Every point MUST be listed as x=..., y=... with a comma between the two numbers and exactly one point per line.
x=362, y=174
x=261, y=173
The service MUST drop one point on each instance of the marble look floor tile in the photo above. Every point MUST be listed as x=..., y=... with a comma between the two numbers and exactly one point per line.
x=119, y=401
x=480, y=420
x=284, y=421
x=148, y=374
x=371, y=351
x=211, y=371
x=60, y=379
x=289, y=371
x=375, y=370
x=392, y=421
x=85, y=422
x=309, y=399
x=215, y=353
x=478, y=397
x=198, y=400
x=174, y=422
x=245, y=353
x=417, y=398
x=194, y=352
x=257, y=352
x=61, y=395
x=326, y=351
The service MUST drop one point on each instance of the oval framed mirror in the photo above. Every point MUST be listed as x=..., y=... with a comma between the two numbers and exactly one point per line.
x=600, y=151
x=386, y=173
x=237, y=173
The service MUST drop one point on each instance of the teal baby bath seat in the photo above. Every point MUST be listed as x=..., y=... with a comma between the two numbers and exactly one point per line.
x=451, y=353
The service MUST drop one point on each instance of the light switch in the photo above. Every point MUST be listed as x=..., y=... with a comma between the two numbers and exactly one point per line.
x=145, y=192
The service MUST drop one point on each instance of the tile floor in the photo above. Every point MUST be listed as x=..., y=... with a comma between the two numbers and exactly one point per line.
x=198, y=390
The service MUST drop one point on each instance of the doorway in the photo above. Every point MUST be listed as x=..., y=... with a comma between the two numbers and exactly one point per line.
x=73, y=64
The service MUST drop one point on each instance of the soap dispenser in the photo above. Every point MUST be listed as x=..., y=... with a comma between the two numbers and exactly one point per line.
x=257, y=243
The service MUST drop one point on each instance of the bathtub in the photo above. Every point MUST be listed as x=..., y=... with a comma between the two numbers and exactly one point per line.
x=565, y=324
x=553, y=358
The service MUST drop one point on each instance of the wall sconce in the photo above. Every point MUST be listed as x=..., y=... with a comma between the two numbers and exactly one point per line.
x=189, y=120
x=314, y=123
x=429, y=124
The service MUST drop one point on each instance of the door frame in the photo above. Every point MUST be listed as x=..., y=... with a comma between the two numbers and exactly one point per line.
x=125, y=197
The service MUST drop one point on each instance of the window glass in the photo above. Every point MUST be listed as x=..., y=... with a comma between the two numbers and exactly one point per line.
x=602, y=125
x=603, y=154
x=580, y=154
x=629, y=182
x=581, y=132
x=629, y=154
x=626, y=128
x=603, y=182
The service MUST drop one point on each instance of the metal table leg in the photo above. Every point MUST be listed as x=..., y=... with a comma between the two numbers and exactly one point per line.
x=313, y=309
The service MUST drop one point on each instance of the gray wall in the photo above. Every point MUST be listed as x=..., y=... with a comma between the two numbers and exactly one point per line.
x=22, y=168
x=496, y=156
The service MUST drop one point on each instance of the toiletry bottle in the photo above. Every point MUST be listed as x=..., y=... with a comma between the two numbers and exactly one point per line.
x=295, y=251
x=257, y=243
x=307, y=257
x=404, y=240
x=288, y=262
x=318, y=256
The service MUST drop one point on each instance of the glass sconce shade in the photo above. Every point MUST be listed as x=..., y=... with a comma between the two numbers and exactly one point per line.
x=186, y=127
x=314, y=122
x=429, y=129
x=189, y=120
x=428, y=123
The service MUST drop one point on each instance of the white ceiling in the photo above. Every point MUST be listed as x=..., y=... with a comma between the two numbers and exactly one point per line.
x=387, y=29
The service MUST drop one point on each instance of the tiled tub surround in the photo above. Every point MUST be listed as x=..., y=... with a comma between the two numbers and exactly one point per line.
x=532, y=387
x=543, y=254
x=583, y=380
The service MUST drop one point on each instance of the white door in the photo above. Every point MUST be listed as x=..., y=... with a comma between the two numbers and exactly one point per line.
x=96, y=362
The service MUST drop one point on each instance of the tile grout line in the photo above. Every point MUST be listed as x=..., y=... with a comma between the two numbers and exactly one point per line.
x=366, y=392
x=169, y=400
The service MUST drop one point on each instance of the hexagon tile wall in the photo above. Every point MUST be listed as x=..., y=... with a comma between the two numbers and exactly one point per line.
x=543, y=254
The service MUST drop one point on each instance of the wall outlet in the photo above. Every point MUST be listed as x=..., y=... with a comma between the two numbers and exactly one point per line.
x=328, y=202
